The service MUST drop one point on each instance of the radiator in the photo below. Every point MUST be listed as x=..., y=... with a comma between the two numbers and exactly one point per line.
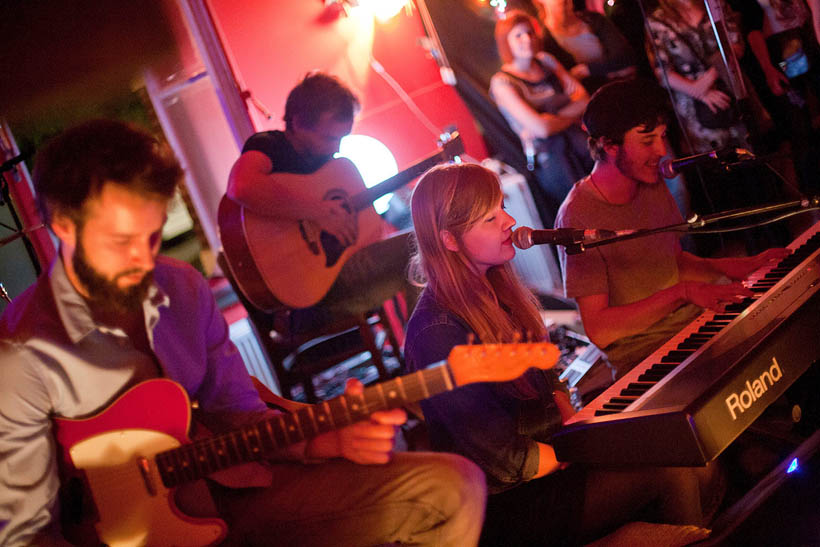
x=536, y=266
x=243, y=335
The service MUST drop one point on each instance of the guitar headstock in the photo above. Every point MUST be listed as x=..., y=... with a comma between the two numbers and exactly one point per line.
x=499, y=362
x=451, y=146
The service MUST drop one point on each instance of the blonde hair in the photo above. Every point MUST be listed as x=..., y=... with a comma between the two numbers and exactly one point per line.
x=497, y=306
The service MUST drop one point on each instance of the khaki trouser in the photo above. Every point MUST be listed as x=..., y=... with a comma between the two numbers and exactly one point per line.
x=417, y=498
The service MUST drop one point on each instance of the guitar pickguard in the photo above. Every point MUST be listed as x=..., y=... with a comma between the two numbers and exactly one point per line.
x=330, y=244
x=309, y=232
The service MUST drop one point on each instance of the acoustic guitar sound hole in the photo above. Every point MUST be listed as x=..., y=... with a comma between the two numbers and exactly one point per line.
x=332, y=247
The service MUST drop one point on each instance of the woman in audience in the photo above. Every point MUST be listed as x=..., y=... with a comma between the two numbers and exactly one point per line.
x=782, y=35
x=586, y=43
x=543, y=104
x=464, y=247
x=687, y=57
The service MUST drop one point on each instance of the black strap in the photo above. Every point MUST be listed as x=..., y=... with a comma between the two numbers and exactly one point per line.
x=545, y=79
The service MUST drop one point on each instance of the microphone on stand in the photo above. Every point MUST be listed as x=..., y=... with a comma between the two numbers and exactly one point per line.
x=670, y=168
x=528, y=143
x=525, y=237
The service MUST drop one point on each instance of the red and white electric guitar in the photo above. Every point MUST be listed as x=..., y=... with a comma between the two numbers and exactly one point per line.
x=278, y=261
x=136, y=451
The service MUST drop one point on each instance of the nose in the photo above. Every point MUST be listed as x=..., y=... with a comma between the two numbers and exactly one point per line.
x=142, y=255
x=333, y=145
x=509, y=221
x=660, y=147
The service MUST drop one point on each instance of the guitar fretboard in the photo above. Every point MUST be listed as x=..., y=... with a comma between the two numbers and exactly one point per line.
x=364, y=199
x=258, y=441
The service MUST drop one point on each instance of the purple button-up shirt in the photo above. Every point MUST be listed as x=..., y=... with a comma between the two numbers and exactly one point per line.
x=56, y=361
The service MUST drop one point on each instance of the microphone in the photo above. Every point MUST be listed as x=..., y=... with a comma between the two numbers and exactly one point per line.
x=670, y=168
x=525, y=237
x=528, y=143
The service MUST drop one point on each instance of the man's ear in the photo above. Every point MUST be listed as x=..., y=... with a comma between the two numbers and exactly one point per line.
x=300, y=123
x=65, y=229
x=610, y=148
x=449, y=240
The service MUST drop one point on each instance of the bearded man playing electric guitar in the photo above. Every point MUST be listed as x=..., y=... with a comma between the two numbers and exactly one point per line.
x=289, y=181
x=112, y=322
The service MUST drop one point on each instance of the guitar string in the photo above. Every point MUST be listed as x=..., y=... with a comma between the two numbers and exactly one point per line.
x=191, y=451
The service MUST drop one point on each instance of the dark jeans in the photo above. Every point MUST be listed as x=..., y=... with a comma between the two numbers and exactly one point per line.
x=563, y=159
x=372, y=275
x=580, y=504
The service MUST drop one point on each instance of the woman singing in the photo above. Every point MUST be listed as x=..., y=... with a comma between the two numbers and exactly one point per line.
x=464, y=239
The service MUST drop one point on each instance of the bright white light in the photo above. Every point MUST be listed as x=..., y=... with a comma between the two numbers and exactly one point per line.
x=374, y=161
x=793, y=466
x=382, y=9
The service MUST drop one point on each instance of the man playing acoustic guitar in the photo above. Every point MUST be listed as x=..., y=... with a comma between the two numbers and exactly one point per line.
x=110, y=314
x=319, y=111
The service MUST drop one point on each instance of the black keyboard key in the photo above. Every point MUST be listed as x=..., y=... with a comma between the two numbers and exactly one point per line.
x=612, y=406
x=653, y=377
x=725, y=317
x=600, y=412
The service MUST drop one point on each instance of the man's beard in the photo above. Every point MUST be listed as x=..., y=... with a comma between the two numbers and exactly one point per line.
x=104, y=296
x=627, y=167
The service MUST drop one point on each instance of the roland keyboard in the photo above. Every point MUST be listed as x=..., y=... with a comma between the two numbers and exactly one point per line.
x=687, y=401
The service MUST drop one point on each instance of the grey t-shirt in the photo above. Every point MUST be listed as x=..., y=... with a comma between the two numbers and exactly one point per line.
x=627, y=271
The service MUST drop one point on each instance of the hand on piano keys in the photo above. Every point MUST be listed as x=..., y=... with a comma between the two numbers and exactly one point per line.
x=713, y=296
x=738, y=268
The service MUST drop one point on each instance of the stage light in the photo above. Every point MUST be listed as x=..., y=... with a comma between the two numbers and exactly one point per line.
x=380, y=9
x=374, y=161
x=793, y=466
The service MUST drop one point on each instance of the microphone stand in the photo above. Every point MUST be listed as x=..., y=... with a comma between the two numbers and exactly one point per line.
x=696, y=223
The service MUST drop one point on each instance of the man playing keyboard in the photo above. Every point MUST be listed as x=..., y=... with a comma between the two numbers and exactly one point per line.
x=634, y=295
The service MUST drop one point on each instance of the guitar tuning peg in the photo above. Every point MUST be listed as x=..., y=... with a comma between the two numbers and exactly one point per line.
x=517, y=337
x=470, y=338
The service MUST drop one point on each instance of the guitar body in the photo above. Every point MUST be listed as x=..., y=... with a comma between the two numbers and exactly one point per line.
x=297, y=261
x=150, y=418
x=124, y=452
x=278, y=262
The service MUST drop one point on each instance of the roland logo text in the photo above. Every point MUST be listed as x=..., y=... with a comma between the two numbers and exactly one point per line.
x=738, y=403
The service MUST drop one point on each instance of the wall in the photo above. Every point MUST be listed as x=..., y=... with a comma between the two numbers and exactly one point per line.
x=272, y=44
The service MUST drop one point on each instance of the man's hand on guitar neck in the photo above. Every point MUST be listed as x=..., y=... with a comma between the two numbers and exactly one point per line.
x=365, y=442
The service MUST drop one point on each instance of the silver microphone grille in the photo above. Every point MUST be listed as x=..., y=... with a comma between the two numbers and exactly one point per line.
x=522, y=237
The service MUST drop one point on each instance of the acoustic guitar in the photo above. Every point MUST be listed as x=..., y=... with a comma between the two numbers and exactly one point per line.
x=136, y=451
x=279, y=262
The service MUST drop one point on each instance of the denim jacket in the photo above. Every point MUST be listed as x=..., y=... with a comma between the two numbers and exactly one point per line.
x=491, y=423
